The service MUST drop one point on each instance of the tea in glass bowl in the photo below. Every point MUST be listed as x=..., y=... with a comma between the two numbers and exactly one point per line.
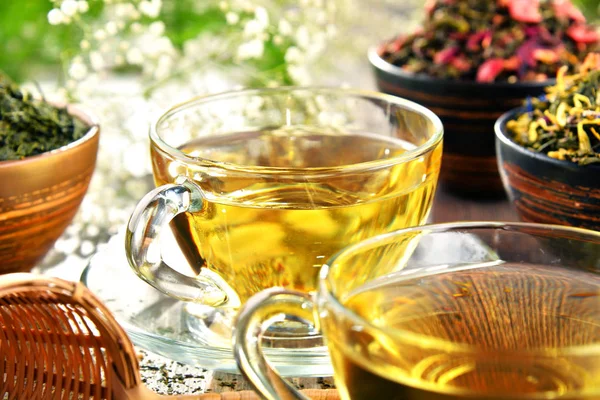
x=486, y=311
x=261, y=187
x=277, y=230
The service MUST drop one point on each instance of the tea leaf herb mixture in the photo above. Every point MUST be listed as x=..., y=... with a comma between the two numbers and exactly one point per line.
x=565, y=123
x=495, y=40
x=31, y=126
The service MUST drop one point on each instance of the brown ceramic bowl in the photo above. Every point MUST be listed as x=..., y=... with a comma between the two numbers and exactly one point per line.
x=544, y=189
x=39, y=196
x=468, y=111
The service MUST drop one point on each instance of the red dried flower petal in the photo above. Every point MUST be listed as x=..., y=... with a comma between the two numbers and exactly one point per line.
x=512, y=64
x=565, y=9
x=476, y=39
x=446, y=55
x=547, y=56
x=461, y=63
x=525, y=11
x=526, y=50
x=489, y=70
x=583, y=33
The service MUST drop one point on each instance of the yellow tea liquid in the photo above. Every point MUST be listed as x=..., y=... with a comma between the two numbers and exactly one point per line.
x=502, y=309
x=268, y=229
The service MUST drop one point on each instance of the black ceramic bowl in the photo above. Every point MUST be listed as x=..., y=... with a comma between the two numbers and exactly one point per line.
x=544, y=189
x=468, y=111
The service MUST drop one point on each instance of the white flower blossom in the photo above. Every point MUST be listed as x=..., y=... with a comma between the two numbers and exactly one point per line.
x=253, y=28
x=97, y=60
x=84, y=44
x=56, y=17
x=157, y=28
x=278, y=40
x=100, y=35
x=262, y=16
x=232, y=18
x=69, y=7
x=163, y=67
x=293, y=55
x=223, y=6
x=299, y=74
x=134, y=56
x=111, y=28
x=285, y=28
x=150, y=8
x=78, y=71
x=251, y=49
x=303, y=37
x=83, y=6
x=124, y=10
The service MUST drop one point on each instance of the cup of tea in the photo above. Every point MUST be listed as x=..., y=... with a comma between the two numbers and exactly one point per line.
x=451, y=311
x=261, y=187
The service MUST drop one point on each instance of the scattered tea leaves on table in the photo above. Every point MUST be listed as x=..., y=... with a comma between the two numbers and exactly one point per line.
x=565, y=123
x=495, y=40
x=30, y=126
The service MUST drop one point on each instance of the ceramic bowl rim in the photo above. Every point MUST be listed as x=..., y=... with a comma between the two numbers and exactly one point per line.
x=76, y=111
x=379, y=63
x=504, y=140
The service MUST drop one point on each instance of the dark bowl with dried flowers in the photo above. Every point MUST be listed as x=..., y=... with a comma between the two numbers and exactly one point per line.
x=47, y=157
x=473, y=61
x=549, y=154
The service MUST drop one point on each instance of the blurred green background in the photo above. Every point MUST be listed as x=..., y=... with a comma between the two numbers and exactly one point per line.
x=29, y=44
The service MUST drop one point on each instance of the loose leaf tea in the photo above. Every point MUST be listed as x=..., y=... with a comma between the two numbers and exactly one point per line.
x=30, y=126
x=565, y=123
x=491, y=41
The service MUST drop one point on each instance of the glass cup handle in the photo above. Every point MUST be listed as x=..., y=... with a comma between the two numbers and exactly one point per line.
x=142, y=243
x=255, y=317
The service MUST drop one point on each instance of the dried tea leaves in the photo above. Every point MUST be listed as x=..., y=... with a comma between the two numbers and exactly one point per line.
x=493, y=41
x=564, y=124
x=29, y=126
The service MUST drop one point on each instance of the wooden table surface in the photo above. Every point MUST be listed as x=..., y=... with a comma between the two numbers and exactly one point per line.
x=447, y=207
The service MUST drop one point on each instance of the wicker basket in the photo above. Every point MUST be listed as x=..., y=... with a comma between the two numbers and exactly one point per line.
x=58, y=341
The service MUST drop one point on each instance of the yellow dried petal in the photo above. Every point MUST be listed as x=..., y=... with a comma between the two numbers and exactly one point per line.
x=532, y=134
x=560, y=78
x=579, y=100
x=584, y=140
x=559, y=155
x=561, y=114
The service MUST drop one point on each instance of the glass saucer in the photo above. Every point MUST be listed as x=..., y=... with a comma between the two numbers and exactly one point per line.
x=178, y=330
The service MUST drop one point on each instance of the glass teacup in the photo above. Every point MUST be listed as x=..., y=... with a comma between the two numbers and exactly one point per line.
x=260, y=187
x=445, y=312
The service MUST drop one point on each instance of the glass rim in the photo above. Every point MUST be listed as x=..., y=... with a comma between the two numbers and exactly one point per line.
x=234, y=168
x=421, y=340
